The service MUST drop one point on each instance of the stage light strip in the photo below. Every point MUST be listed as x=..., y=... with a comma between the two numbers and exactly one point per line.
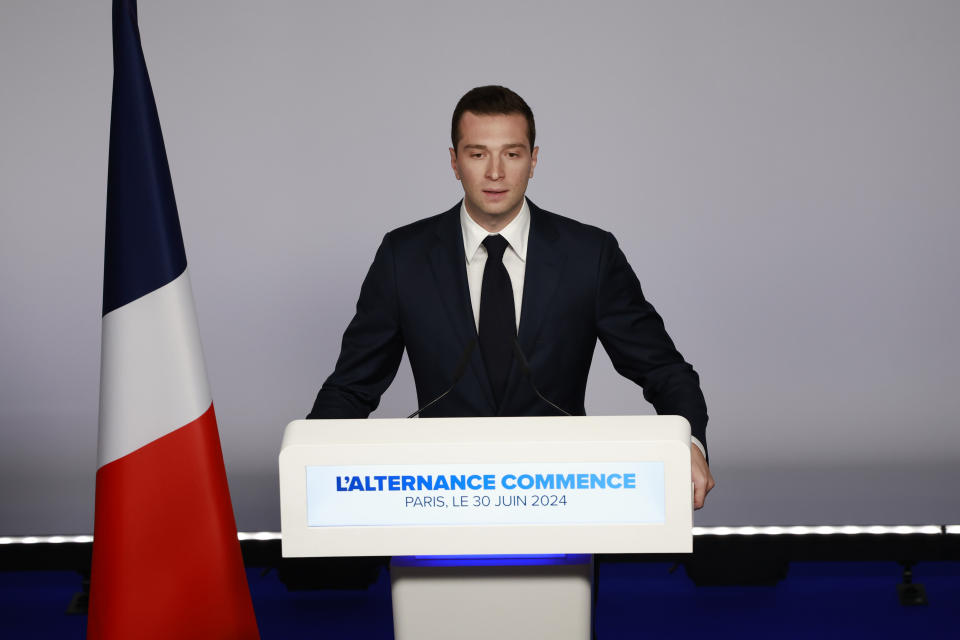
x=259, y=535
x=818, y=530
x=821, y=530
x=45, y=539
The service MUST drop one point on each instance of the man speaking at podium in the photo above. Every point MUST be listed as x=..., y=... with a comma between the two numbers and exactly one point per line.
x=499, y=303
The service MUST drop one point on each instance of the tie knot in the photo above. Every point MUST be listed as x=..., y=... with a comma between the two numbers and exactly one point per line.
x=495, y=245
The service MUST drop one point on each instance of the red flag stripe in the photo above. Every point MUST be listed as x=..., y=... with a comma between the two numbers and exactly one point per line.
x=166, y=543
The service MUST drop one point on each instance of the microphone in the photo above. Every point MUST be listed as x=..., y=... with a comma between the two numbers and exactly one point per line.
x=525, y=367
x=457, y=374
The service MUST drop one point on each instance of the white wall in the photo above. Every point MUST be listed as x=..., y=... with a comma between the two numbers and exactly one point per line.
x=782, y=176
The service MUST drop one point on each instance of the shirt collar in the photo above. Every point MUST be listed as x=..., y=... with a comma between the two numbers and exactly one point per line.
x=514, y=233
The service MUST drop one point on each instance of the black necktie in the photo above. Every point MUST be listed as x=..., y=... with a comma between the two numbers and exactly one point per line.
x=498, y=324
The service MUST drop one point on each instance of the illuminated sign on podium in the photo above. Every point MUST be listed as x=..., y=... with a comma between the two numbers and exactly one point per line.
x=490, y=494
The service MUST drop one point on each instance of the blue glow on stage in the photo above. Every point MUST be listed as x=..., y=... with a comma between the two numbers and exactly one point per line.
x=516, y=560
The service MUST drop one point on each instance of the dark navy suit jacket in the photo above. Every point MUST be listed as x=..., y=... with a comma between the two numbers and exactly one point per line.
x=577, y=288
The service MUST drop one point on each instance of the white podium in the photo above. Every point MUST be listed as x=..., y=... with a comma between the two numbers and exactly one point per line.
x=533, y=496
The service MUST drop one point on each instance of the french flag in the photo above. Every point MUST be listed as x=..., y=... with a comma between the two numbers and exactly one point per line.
x=166, y=561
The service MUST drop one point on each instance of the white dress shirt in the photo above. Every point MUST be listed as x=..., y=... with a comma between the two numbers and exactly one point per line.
x=514, y=259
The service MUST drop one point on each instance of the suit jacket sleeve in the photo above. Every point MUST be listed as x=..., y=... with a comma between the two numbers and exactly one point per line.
x=372, y=346
x=634, y=337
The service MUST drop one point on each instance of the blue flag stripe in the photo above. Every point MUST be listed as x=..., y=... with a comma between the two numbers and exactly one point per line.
x=144, y=245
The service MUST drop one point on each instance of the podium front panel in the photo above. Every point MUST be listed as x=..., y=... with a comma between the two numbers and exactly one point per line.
x=526, y=485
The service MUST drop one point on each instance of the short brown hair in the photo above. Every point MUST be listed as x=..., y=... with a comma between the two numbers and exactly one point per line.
x=491, y=100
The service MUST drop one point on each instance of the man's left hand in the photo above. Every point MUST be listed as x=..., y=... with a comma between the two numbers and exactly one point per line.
x=702, y=478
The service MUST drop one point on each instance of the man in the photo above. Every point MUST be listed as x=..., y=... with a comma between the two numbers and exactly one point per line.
x=521, y=283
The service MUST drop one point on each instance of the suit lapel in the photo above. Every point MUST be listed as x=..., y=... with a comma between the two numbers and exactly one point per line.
x=449, y=268
x=540, y=281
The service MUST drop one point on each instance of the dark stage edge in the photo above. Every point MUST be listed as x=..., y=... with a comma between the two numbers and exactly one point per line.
x=636, y=599
x=789, y=586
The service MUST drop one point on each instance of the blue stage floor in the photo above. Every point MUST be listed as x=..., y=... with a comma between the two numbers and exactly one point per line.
x=817, y=599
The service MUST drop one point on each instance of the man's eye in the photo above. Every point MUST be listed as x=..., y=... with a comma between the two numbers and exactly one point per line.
x=476, y=155
x=513, y=155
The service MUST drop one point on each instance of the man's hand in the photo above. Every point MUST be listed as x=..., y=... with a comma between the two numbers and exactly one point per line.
x=702, y=478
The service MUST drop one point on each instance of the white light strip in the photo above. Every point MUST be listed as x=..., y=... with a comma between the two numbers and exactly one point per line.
x=259, y=535
x=819, y=530
x=45, y=539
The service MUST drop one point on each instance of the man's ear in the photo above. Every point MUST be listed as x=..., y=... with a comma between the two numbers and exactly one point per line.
x=533, y=159
x=453, y=162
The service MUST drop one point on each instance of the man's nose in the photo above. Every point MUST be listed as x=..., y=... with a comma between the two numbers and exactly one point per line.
x=495, y=168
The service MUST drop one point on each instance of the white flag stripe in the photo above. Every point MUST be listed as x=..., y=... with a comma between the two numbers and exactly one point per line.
x=152, y=376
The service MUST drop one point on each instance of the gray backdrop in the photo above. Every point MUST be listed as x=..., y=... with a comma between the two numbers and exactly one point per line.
x=782, y=176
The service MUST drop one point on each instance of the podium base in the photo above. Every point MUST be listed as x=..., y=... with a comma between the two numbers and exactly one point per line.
x=474, y=597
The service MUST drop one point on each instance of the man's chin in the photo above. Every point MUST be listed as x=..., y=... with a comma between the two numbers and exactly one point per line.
x=501, y=210
x=488, y=212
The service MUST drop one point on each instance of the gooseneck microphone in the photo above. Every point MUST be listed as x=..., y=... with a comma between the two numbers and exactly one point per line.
x=457, y=374
x=525, y=367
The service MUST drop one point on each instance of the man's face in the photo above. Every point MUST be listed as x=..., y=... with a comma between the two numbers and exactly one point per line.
x=494, y=162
